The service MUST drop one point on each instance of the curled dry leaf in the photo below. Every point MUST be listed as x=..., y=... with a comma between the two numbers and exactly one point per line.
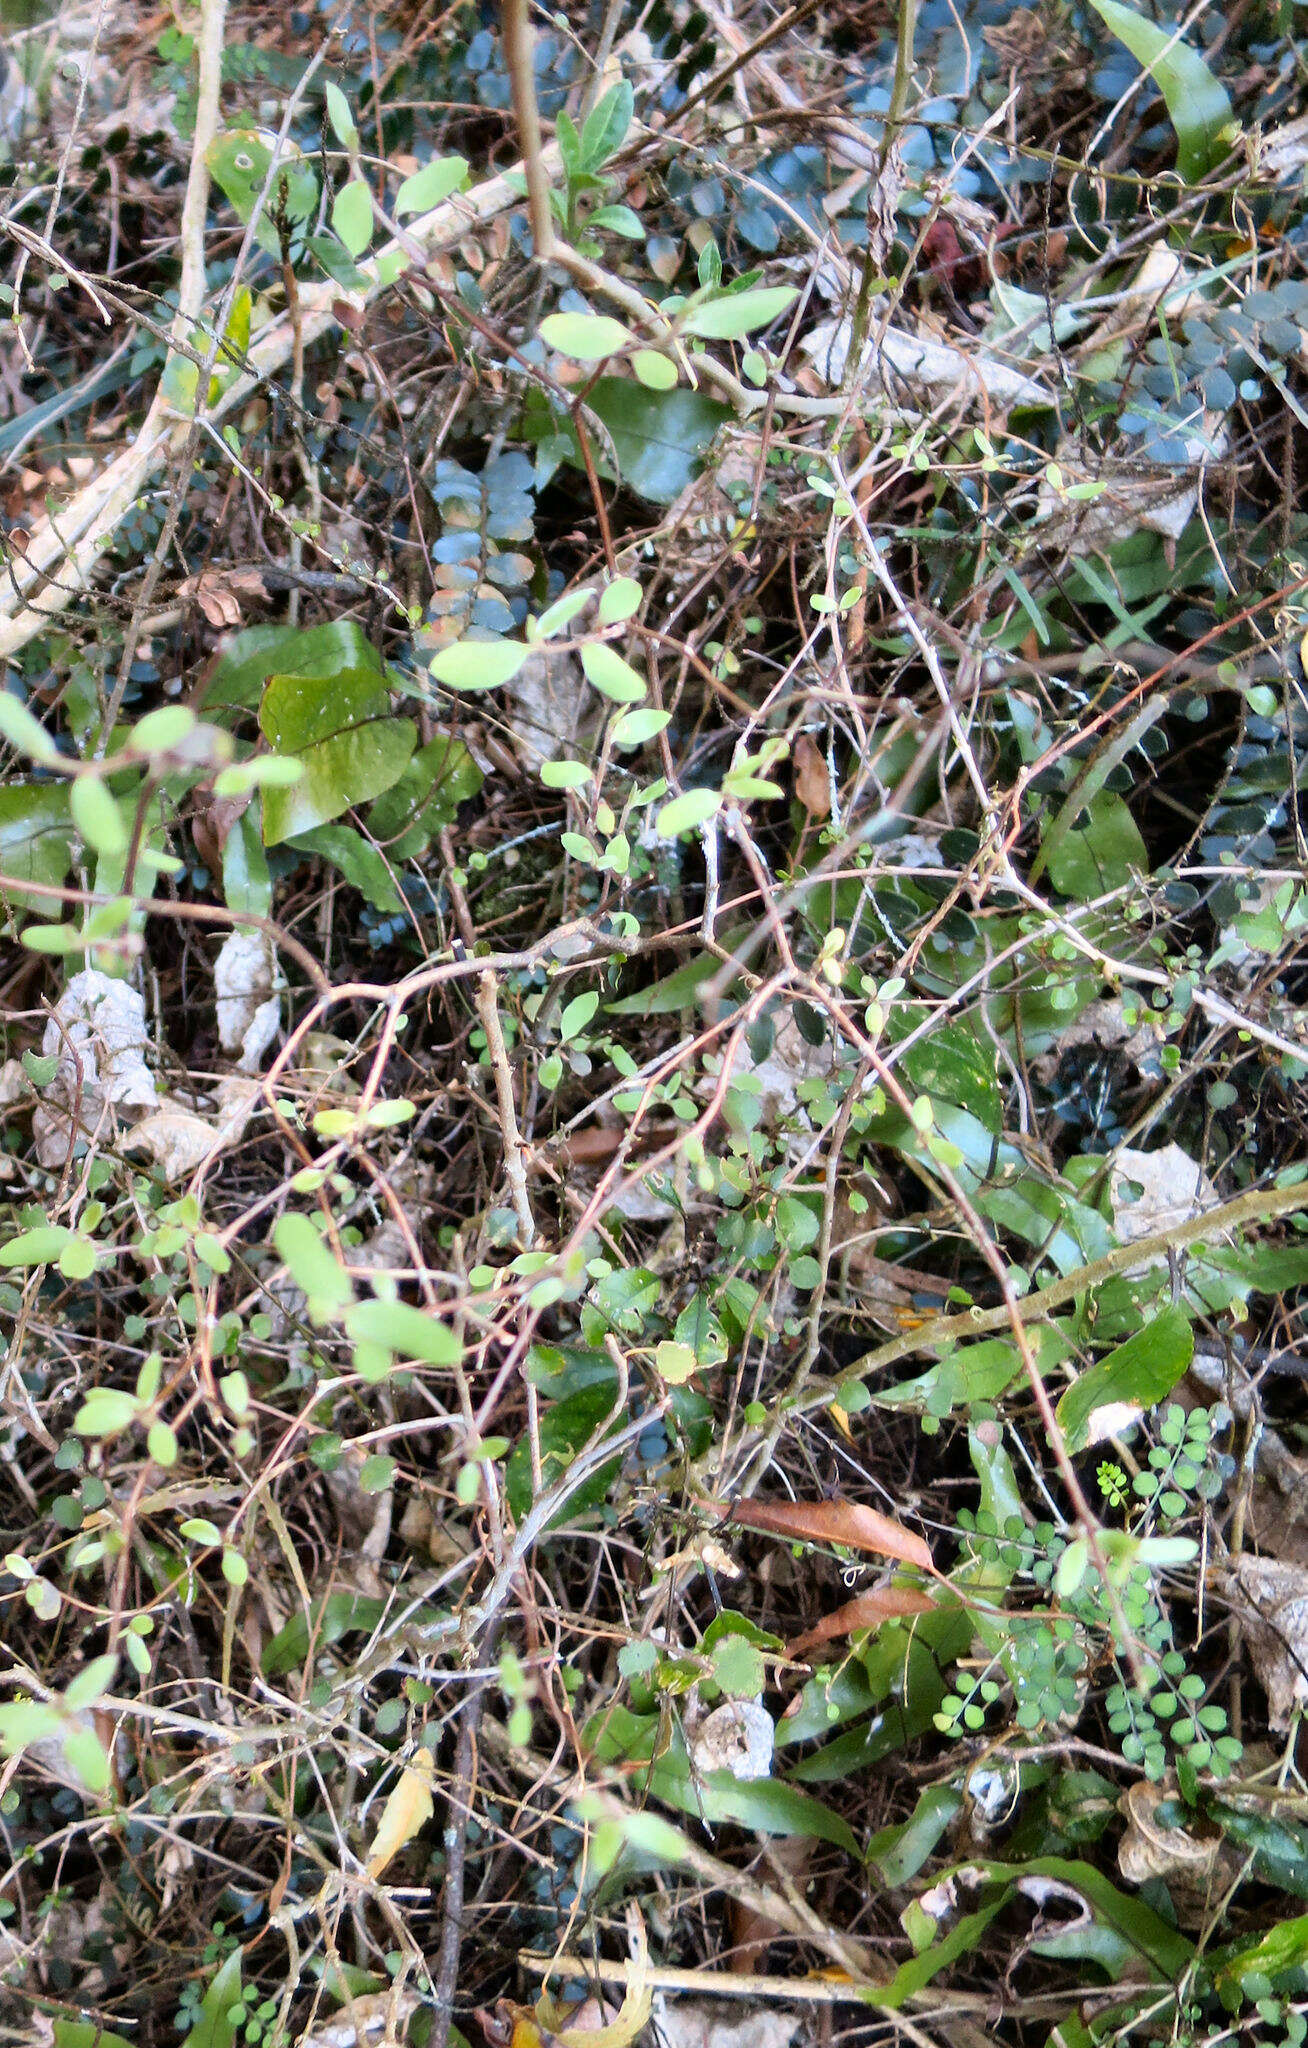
x=738, y=1737
x=97, y=1032
x=406, y=1812
x=219, y=593
x=637, y=2004
x=865, y=1610
x=380, y=2015
x=177, y=1141
x=719, y=2023
x=245, y=988
x=829, y=1521
x=1271, y=1598
x=1152, y=1848
x=812, y=782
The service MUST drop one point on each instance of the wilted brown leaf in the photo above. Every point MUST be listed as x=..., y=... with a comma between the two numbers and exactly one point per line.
x=219, y=592
x=829, y=1521
x=865, y=1610
x=812, y=783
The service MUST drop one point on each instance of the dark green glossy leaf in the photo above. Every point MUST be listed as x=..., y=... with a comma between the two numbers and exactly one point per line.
x=564, y=1430
x=1139, y=1373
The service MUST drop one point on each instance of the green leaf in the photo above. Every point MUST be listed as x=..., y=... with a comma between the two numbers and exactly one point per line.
x=409, y=1332
x=897, y=1853
x=658, y=437
x=86, y=2034
x=249, y=658
x=562, y=612
x=565, y=1428
x=1100, y=853
x=962, y=1937
x=675, y=1363
x=38, y=1247
x=24, y=732
x=739, y=313
x=361, y=864
x=585, y=337
x=312, y=1265
x=352, y=216
x=338, y=1615
x=338, y=113
x=340, y=728
x=618, y=220
x=1197, y=105
x=91, y=1683
x=619, y=600
x=441, y=776
x=606, y=125
x=106, y=1411
x=97, y=817
x=478, y=664
x=677, y=991
x=35, y=839
x=767, y=1806
x=611, y=675
x=247, y=883
x=1138, y=1374
x=693, y=808
x=431, y=185
x=215, y=2027
x=578, y=1013
x=239, y=162
x=656, y=372
x=634, y=728
x=565, y=774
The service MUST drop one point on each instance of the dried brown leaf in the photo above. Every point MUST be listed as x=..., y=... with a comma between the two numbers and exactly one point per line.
x=865, y=1610
x=812, y=783
x=831, y=1521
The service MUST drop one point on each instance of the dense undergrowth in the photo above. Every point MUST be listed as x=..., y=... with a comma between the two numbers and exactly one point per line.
x=653, y=877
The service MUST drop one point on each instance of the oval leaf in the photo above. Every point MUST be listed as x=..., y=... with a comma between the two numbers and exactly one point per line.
x=478, y=664
x=611, y=675
x=586, y=337
x=684, y=813
x=730, y=318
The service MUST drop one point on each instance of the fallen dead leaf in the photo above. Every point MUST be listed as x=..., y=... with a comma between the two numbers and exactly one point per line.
x=1172, y=1190
x=865, y=1610
x=407, y=1811
x=1271, y=1599
x=828, y=1521
x=708, y=2023
x=812, y=782
x=98, y=1033
x=364, y=2020
x=738, y=1737
x=248, y=1005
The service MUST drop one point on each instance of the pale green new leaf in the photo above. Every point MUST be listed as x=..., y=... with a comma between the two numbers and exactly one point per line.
x=731, y=318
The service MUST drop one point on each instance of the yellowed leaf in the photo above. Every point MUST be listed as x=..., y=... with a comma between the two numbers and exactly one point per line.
x=408, y=1809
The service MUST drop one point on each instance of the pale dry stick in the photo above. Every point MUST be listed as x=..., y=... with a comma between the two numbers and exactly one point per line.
x=515, y=1169
x=768, y=1990
x=1255, y=1206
